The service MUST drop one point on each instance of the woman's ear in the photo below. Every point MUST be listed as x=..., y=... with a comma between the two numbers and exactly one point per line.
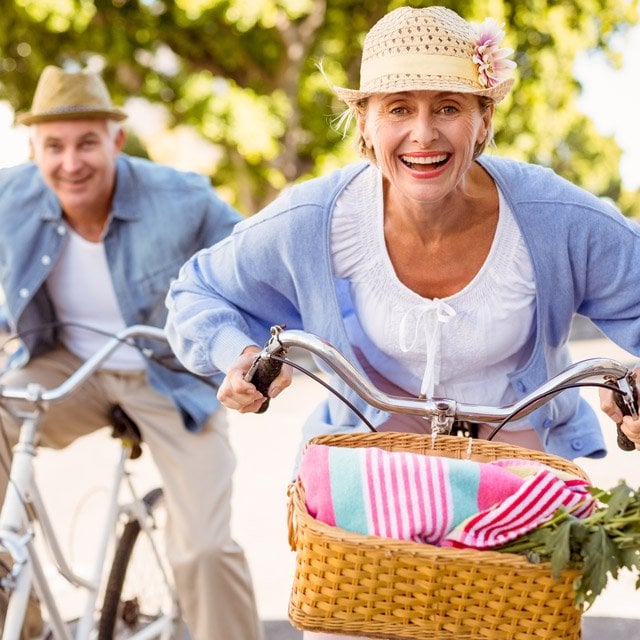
x=362, y=128
x=487, y=118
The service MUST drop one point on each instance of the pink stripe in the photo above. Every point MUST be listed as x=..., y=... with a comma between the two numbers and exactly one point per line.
x=380, y=527
x=445, y=508
x=437, y=501
x=420, y=474
x=430, y=528
x=425, y=491
x=404, y=502
x=423, y=488
x=371, y=492
x=396, y=492
x=383, y=516
x=491, y=490
x=528, y=506
x=511, y=512
x=530, y=509
x=383, y=505
x=527, y=509
x=314, y=473
x=413, y=504
x=407, y=507
x=389, y=505
x=500, y=535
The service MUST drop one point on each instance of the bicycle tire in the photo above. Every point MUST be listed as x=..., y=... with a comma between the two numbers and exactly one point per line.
x=123, y=613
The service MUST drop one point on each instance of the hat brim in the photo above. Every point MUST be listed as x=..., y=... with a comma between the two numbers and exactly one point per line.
x=72, y=114
x=495, y=93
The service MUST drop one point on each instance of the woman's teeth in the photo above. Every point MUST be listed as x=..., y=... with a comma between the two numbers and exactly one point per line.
x=424, y=161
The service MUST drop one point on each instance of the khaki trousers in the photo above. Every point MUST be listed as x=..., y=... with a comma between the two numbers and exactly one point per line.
x=211, y=572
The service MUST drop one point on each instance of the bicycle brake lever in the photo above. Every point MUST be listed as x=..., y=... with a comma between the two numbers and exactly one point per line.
x=265, y=369
x=627, y=402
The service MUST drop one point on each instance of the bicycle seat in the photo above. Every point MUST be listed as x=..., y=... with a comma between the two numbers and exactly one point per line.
x=124, y=427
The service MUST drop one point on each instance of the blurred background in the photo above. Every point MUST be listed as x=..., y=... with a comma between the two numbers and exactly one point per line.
x=232, y=89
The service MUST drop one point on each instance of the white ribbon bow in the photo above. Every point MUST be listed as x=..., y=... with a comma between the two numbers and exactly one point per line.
x=432, y=315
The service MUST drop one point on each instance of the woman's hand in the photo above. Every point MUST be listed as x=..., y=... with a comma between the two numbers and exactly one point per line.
x=236, y=393
x=630, y=426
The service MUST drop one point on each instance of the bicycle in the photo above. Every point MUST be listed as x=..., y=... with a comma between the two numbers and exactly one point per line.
x=361, y=585
x=130, y=528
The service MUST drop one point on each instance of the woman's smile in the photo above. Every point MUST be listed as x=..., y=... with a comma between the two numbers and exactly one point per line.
x=429, y=163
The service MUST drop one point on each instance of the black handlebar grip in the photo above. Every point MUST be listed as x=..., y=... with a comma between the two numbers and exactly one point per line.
x=262, y=373
x=623, y=442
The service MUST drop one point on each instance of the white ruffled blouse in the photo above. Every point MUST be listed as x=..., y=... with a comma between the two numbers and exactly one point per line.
x=462, y=346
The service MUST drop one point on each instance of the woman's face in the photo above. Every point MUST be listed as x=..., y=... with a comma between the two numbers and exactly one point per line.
x=424, y=141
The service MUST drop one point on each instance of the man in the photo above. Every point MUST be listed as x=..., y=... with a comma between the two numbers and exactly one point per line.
x=89, y=241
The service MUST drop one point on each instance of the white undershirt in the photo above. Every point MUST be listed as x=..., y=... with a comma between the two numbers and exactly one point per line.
x=462, y=346
x=82, y=292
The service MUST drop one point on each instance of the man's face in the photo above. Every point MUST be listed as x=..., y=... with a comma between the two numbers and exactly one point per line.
x=77, y=161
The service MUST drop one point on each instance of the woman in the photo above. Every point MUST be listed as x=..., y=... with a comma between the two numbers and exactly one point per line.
x=435, y=269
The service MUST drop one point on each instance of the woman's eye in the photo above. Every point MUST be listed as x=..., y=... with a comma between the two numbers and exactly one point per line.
x=449, y=109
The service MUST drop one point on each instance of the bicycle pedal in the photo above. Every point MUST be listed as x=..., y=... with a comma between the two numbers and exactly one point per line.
x=130, y=612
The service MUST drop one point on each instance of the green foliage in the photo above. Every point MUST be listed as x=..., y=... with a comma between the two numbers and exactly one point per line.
x=599, y=545
x=244, y=75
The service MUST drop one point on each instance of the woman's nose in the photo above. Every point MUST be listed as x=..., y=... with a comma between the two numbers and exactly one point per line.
x=424, y=129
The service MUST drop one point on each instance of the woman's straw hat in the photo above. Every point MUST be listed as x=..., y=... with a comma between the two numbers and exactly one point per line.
x=432, y=49
x=61, y=95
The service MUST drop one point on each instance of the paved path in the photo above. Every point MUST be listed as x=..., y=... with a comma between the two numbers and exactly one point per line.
x=265, y=446
x=593, y=629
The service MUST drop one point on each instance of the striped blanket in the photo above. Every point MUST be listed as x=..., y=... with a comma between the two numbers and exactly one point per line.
x=435, y=500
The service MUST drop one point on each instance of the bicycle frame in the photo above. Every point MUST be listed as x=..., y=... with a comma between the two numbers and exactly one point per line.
x=17, y=532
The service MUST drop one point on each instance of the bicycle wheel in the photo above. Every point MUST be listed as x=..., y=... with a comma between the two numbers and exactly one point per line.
x=139, y=591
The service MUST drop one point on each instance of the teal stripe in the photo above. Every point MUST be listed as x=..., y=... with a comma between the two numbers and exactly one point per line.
x=346, y=489
x=464, y=479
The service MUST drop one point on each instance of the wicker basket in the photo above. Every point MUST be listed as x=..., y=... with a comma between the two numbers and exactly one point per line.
x=366, y=586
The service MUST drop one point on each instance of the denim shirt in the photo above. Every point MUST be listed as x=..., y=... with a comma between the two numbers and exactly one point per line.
x=159, y=218
x=585, y=256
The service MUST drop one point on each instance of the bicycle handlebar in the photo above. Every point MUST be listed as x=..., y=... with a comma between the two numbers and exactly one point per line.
x=35, y=393
x=444, y=411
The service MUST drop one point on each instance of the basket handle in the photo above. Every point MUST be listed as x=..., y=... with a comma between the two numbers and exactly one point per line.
x=291, y=525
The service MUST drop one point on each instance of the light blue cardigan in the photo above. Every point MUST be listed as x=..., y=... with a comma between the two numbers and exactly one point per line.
x=275, y=268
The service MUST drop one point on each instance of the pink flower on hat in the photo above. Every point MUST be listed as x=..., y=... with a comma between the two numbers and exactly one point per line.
x=493, y=61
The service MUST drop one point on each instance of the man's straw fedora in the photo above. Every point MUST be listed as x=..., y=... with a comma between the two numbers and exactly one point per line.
x=61, y=95
x=430, y=49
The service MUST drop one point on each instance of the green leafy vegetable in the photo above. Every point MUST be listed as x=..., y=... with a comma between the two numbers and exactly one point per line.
x=598, y=546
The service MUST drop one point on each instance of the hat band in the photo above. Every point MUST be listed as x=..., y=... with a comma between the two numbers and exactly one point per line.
x=75, y=108
x=417, y=64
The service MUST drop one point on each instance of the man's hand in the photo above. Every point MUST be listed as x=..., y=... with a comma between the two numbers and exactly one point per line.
x=236, y=393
